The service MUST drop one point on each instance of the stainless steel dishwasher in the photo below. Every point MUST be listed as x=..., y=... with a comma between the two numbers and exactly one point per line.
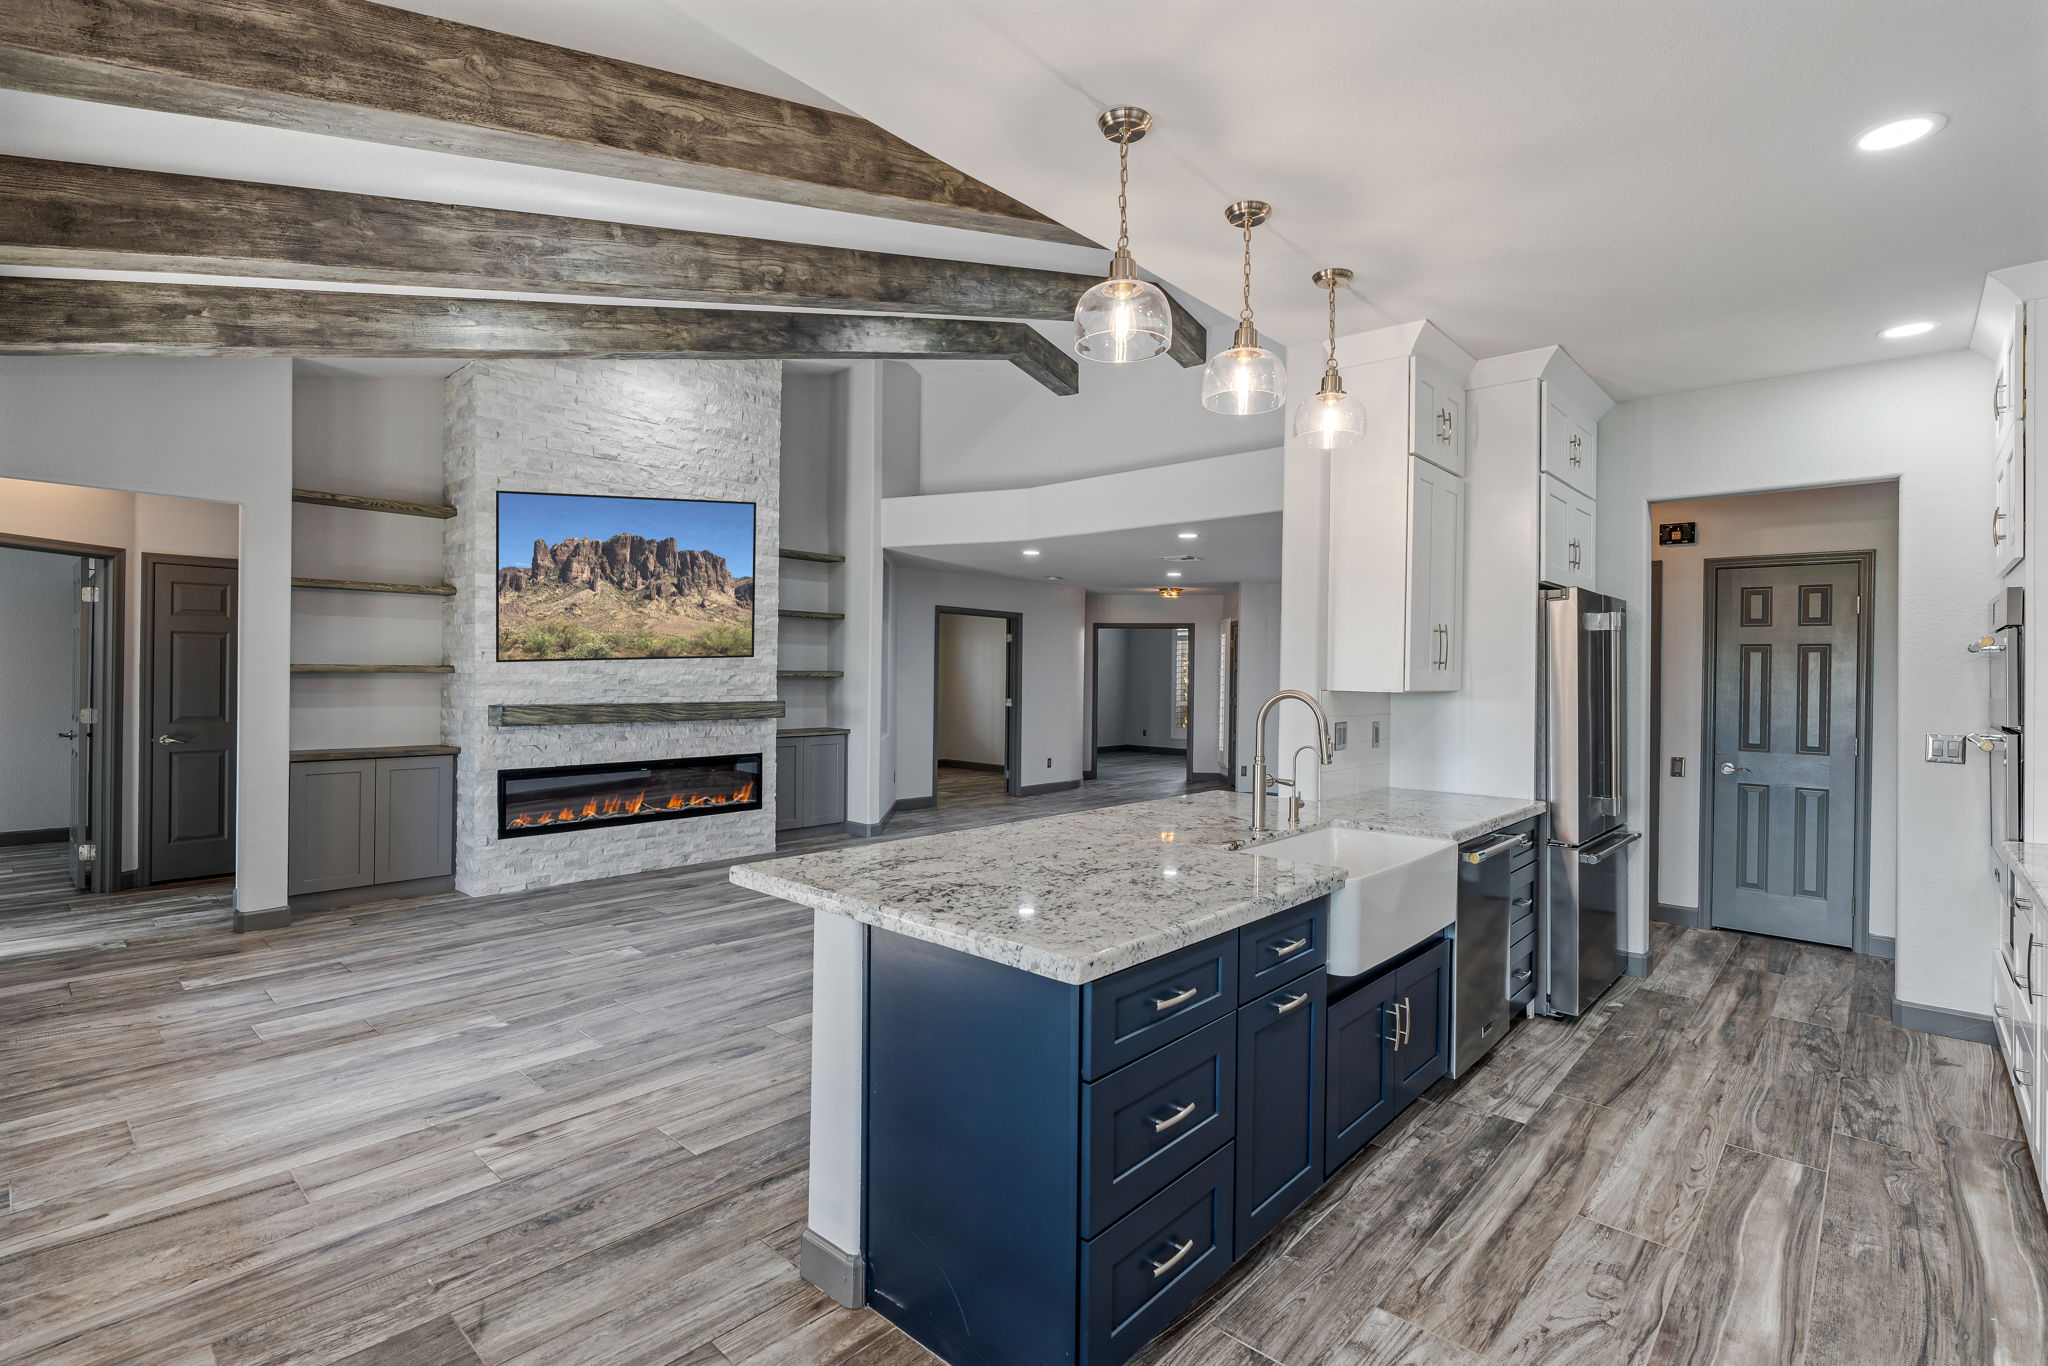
x=1496, y=938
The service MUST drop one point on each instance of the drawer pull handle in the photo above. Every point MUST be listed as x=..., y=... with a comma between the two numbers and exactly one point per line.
x=1525, y=901
x=2006, y=963
x=1160, y=1126
x=1291, y=1003
x=1291, y=946
x=1498, y=847
x=1179, y=1255
x=1179, y=998
x=1524, y=975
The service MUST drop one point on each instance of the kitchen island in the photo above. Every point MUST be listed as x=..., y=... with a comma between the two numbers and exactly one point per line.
x=1066, y=1070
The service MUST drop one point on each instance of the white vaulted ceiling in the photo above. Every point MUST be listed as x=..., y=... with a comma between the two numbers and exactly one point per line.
x=1670, y=191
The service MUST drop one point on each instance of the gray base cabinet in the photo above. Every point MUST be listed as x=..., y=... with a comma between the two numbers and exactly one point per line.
x=810, y=780
x=359, y=822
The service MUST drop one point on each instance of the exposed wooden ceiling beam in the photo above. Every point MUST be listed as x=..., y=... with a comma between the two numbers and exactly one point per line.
x=115, y=318
x=354, y=69
x=66, y=215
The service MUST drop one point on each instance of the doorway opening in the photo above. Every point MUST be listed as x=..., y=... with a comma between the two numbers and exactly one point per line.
x=977, y=704
x=1773, y=687
x=60, y=748
x=1141, y=697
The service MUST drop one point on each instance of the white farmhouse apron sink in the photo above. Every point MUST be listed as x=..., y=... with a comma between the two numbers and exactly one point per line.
x=1401, y=890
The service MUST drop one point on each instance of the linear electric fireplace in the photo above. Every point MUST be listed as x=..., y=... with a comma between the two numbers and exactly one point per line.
x=540, y=801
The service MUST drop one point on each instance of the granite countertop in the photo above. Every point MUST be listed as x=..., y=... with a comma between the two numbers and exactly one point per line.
x=2030, y=861
x=1079, y=896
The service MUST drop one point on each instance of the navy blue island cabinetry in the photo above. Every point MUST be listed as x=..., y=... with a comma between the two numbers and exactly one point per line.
x=1054, y=1172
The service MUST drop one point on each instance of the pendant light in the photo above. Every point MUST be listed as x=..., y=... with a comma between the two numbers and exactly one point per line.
x=1332, y=418
x=1123, y=319
x=1247, y=379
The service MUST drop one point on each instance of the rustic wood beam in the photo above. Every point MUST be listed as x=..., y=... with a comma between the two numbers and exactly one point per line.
x=350, y=68
x=115, y=318
x=71, y=216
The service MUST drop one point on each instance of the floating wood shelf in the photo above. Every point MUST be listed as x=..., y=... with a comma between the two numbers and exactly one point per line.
x=317, y=756
x=436, y=590
x=373, y=668
x=811, y=616
x=361, y=504
x=816, y=556
x=632, y=713
x=810, y=673
x=812, y=730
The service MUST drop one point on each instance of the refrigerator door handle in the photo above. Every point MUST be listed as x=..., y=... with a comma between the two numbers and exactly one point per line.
x=1605, y=849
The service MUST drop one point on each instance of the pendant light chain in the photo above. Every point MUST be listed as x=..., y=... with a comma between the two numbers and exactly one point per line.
x=1333, y=322
x=1245, y=314
x=1123, y=195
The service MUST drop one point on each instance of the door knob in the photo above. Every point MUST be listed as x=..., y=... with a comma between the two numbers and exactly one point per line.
x=67, y=735
x=1731, y=768
x=169, y=740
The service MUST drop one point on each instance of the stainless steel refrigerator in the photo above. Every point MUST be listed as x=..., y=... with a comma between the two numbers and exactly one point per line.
x=2004, y=740
x=1581, y=750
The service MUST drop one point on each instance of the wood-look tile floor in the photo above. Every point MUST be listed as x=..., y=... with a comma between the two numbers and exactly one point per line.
x=569, y=1127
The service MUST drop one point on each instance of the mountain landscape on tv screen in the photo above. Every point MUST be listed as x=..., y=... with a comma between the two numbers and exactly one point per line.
x=625, y=597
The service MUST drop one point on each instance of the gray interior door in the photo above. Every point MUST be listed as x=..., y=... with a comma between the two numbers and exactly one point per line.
x=79, y=730
x=1787, y=695
x=188, y=742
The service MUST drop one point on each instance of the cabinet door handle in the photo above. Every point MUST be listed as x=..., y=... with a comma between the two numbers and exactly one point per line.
x=2017, y=984
x=1405, y=1015
x=1180, y=1254
x=1292, y=1003
x=1998, y=400
x=1291, y=946
x=2032, y=976
x=1179, y=998
x=1997, y=536
x=1160, y=1126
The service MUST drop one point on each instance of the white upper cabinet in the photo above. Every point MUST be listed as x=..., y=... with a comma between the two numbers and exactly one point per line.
x=2005, y=387
x=1397, y=557
x=2009, y=503
x=1568, y=526
x=1571, y=443
x=1436, y=414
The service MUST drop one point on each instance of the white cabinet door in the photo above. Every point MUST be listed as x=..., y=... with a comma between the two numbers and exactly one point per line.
x=1436, y=536
x=2006, y=386
x=1436, y=415
x=1568, y=527
x=1571, y=445
x=2009, y=504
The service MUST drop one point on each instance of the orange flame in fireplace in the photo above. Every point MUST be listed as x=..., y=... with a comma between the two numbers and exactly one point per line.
x=620, y=805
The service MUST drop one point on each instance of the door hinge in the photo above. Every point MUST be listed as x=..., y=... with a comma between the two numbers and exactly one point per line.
x=90, y=593
x=88, y=852
x=1859, y=604
x=88, y=716
x=1855, y=747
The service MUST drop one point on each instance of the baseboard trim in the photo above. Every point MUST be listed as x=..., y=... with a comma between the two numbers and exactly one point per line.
x=55, y=834
x=838, y=1273
x=1954, y=1024
x=376, y=891
x=1635, y=964
x=1877, y=946
x=249, y=922
x=1688, y=916
x=971, y=764
x=1206, y=778
x=866, y=831
x=1040, y=789
x=1087, y=775
x=813, y=831
x=1141, y=749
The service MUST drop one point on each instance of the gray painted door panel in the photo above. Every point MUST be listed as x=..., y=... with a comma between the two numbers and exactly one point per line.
x=333, y=826
x=191, y=703
x=1787, y=683
x=415, y=817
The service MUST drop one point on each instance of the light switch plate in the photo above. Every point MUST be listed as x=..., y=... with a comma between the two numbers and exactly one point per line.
x=1948, y=749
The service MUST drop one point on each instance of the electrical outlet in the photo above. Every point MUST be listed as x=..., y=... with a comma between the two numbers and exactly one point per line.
x=1244, y=770
x=1375, y=735
x=1677, y=766
x=1343, y=734
x=1048, y=761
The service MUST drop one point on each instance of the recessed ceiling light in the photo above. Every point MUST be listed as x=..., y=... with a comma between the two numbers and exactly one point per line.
x=1189, y=535
x=1055, y=578
x=1899, y=132
x=1900, y=331
x=1030, y=552
x=1173, y=573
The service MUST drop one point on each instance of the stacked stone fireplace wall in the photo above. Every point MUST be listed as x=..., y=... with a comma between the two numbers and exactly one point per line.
x=625, y=428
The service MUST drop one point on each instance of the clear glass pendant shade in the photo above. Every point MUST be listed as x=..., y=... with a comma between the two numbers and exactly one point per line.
x=1122, y=320
x=1244, y=381
x=1329, y=420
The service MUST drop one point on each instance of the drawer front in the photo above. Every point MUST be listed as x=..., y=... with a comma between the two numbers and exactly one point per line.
x=1521, y=911
x=1280, y=1104
x=1127, y=1015
x=1282, y=947
x=1155, y=1262
x=1145, y=1124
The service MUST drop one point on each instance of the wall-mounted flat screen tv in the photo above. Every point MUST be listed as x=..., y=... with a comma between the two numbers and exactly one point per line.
x=583, y=577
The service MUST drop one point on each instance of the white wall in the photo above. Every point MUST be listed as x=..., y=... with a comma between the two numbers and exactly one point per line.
x=1852, y=517
x=216, y=429
x=1053, y=626
x=986, y=427
x=378, y=436
x=141, y=524
x=1206, y=611
x=1258, y=674
x=972, y=665
x=38, y=623
x=1921, y=422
